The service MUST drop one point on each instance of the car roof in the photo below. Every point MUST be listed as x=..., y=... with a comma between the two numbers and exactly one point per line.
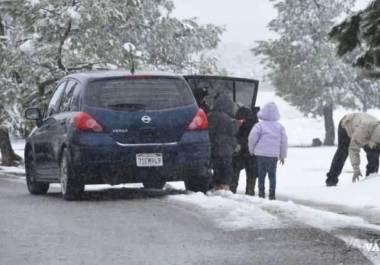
x=89, y=76
x=220, y=77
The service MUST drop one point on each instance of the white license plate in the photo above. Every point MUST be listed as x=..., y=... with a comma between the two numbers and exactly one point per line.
x=149, y=160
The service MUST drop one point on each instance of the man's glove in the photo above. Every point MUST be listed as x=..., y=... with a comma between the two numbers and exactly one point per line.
x=356, y=176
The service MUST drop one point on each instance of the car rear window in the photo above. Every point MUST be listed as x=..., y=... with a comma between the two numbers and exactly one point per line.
x=140, y=93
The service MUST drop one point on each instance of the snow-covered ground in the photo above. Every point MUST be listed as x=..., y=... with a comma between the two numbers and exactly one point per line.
x=304, y=173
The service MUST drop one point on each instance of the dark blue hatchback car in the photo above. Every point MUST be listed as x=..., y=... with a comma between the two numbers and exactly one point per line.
x=114, y=127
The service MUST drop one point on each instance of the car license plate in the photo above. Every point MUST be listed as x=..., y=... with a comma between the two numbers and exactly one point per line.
x=149, y=160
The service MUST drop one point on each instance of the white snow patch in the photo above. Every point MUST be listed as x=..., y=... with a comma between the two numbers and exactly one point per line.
x=230, y=214
x=129, y=47
x=303, y=178
x=236, y=212
x=12, y=170
x=34, y=2
x=73, y=14
x=27, y=47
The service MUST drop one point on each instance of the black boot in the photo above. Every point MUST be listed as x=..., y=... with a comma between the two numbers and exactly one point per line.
x=262, y=194
x=272, y=195
x=331, y=182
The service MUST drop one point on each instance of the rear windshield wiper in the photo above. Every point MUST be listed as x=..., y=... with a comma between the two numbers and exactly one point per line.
x=127, y=106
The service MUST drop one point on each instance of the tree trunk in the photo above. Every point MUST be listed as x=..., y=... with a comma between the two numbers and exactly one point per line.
x=8, y=156
x=2, y=29
x=365, y=107
x=329, y=125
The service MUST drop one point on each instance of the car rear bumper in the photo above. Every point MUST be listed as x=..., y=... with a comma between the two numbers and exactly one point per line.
x=108, y=162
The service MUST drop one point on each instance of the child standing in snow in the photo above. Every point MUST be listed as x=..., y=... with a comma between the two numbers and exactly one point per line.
x=269, y=142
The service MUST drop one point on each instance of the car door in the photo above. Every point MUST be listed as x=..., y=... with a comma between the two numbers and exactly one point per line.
x=45, y=136
x=67, y=106
x=243, y=91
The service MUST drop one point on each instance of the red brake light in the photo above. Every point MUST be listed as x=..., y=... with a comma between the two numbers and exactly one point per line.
x=84, y=122
x=199, y=122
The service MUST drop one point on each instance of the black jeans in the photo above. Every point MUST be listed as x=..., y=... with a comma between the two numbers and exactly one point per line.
x=223, y=170
x=267, y=165
x=341, y=155
x=247, y=162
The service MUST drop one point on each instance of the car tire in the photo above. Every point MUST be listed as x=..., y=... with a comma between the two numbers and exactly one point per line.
x=159, y=185
x=34, y=187
x=72, y=186
x=198, y=183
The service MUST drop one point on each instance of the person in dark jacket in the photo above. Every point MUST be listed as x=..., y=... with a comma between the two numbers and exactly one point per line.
x=223, y=129
x=243, y=159
x=200, y=95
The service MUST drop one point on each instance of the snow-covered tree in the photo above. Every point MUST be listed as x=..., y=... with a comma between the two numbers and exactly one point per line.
x=12, y=90
x=47, y=39
x=361, y=30
x=301, y=61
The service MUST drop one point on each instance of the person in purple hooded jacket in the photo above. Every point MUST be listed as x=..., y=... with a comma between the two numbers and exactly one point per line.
x=269, y=143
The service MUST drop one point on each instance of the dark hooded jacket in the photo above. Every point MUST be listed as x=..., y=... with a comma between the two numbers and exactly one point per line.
x=223, y=127
x=250, y=119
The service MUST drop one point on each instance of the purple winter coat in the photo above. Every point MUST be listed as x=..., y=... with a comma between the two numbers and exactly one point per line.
x=268, y=137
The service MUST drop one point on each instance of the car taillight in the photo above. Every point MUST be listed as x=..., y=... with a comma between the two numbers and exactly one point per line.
x=84, y=122
x=199, y=122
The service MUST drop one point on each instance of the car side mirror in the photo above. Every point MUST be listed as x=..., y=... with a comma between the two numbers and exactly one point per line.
x=34, y=114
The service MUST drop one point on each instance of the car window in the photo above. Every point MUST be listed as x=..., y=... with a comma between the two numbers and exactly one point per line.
x=67, y=102
x=142, y=93
x=56, y=99
x=245, y=89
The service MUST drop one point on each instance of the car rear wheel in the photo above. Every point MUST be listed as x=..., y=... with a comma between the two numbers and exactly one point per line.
x=72, y=186
x=198, y=183
x=159, y=185
x=34, y=187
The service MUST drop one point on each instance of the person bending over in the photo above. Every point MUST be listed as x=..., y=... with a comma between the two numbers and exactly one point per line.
x=356, y=131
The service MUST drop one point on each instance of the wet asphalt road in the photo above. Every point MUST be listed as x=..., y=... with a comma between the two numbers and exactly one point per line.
x=133, y=226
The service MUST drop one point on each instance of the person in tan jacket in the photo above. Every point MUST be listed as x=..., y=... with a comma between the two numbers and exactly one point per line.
x=356, y=131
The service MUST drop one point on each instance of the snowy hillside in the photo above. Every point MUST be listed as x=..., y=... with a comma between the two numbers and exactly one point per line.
x=239, y=61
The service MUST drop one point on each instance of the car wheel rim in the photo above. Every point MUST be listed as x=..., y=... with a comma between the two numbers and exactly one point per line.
x=64, y=176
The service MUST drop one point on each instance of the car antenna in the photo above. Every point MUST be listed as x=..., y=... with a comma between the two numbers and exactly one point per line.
x=132, y=65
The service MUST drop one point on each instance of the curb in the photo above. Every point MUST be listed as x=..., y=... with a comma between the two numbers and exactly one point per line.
x=13, y=175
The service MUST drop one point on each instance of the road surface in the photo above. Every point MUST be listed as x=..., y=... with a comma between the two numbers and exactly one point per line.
x=133, y=226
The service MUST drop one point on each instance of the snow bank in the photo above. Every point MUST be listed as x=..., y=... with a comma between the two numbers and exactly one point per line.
x=232, y=214
x=236, y=212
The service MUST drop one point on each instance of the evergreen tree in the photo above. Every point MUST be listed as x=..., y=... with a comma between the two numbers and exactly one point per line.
x=361, y=31
x=301, y=61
